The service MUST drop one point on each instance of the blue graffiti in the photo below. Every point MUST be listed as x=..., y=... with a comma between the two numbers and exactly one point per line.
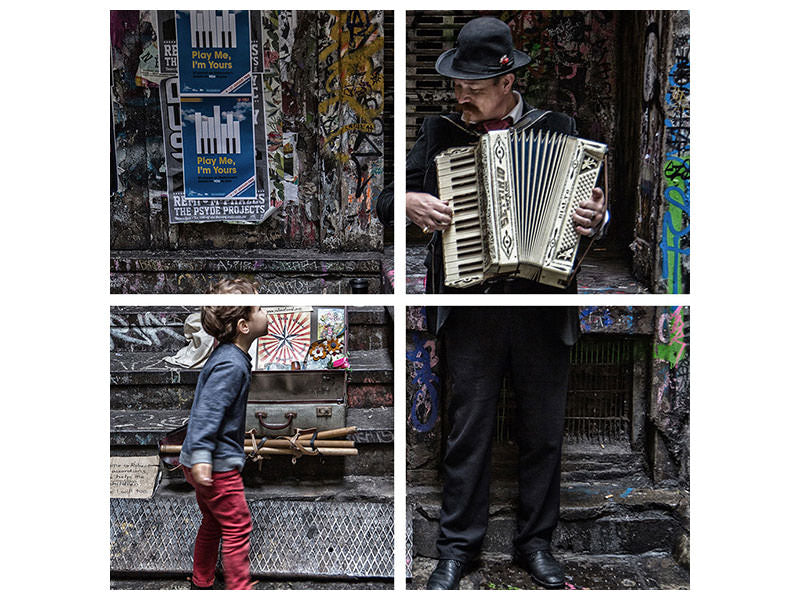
x=676, y=171
x=678, y=198
x=425, y=383
x=599, y=317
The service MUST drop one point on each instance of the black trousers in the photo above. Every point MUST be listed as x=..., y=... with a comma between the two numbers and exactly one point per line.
x=481, y=344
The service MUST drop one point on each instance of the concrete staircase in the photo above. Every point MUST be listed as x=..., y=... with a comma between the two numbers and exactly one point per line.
x=326, y=518
x=616, y=530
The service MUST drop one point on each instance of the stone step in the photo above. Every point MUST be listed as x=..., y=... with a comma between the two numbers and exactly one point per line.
x=145, y=428
x=595, y=518
x=293, y=271
x=143, y=380
x=152, y=328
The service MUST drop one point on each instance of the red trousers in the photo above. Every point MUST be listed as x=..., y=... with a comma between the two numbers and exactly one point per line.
x=225, y=517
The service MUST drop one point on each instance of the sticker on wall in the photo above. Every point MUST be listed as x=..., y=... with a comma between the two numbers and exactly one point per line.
x=167, y=41
x=329, y=351
x=330, y=322
x=289, y=173
x=213, y=51
x=287, y=340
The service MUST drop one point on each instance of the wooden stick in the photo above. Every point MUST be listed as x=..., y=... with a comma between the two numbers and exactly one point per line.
x=322, y=451
x=330, y=433
x=173, y=449
x=318, y=443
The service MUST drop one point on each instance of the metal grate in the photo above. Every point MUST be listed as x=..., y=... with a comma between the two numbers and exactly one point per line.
x=600, y=390
x=409, y=542
x=290, y=538
x=599, y=395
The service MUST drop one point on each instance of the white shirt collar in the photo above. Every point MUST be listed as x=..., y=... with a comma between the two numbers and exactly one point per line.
x=516, y=112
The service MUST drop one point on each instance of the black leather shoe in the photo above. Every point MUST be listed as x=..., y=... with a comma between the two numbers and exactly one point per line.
x=543, y=568
x=446, y=575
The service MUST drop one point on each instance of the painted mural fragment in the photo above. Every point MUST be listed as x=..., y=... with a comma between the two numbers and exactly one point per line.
x=670, y=393
x=351, y=119
x=421, y=359
x=674, y=244
x=572, y=64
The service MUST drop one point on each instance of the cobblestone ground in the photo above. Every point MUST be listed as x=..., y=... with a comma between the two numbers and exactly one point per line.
x=618, y=572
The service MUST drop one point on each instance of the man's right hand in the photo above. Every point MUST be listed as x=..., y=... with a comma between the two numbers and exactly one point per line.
x=201, y=473
x=428, y=212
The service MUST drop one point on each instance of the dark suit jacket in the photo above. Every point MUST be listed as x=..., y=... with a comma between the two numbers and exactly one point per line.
x=437, y=134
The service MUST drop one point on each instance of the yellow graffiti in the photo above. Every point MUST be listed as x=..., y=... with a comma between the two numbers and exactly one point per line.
x=351, y=77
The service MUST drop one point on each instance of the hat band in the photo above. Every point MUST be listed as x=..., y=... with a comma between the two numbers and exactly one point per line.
x=480, y=68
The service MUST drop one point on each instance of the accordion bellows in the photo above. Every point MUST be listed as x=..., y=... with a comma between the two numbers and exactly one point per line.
x=513, y=196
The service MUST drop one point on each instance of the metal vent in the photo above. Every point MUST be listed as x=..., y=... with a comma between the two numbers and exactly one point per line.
x=290, y=538
x=600, y=390
x=599, y=395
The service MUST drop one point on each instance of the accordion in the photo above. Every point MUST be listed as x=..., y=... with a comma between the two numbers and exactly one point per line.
x=513, y=196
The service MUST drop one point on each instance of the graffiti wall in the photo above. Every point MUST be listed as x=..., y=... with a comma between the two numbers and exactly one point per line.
x=318, y=107
x=674, y=239
x=669, y=408
x=351, y=124
x=572, y=64
x=661, y=229
x=423, y=398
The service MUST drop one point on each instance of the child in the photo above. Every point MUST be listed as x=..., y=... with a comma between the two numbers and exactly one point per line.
x=213, y=452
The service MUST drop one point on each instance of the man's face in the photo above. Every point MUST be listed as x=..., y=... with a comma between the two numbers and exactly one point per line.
x=484, y=99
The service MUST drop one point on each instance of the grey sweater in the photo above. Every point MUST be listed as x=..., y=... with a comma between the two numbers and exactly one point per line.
x=216, y=423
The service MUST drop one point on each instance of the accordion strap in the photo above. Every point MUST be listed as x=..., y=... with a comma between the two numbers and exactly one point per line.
x=531, y=117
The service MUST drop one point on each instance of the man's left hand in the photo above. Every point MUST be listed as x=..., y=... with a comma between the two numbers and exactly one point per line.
x=590, y=213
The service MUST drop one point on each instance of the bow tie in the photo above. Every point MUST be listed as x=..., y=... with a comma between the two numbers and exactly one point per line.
x=493, y=125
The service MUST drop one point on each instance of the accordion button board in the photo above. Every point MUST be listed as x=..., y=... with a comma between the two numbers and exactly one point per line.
x=513, y=196
x=463, y=242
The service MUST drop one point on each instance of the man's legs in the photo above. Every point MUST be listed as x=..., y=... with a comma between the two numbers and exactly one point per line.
x=476, y=348
x=539, y=374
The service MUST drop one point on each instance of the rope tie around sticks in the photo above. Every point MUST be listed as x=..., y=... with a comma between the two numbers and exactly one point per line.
x=297, y=448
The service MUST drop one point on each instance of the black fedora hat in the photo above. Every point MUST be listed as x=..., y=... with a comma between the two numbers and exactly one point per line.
x=483, y=49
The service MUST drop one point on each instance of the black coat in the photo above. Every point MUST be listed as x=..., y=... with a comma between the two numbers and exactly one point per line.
x=436, y=135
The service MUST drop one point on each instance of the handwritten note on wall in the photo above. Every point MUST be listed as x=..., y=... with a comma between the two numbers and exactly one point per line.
x=133, y=476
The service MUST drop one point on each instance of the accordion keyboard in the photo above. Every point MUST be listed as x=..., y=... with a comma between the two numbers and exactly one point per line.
x=462, y=241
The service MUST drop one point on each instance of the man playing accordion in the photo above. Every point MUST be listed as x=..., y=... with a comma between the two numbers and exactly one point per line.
x=483, y=344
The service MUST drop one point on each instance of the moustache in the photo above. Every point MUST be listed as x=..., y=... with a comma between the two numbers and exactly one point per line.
x=463, y=107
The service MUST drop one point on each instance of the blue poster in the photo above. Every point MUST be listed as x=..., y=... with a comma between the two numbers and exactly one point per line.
x=219, y=159
x=213, y=51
